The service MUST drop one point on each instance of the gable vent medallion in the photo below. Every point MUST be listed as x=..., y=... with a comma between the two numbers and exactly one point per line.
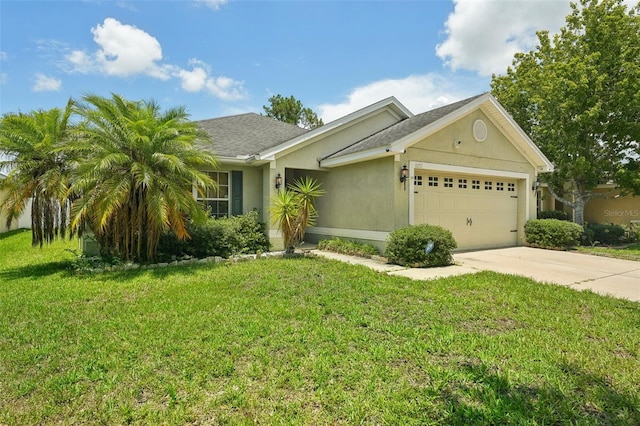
x=479, y=130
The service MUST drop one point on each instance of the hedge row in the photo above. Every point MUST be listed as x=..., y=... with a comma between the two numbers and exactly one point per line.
x=218, y=237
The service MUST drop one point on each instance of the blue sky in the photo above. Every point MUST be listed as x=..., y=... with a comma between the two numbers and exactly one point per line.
x=222, y=57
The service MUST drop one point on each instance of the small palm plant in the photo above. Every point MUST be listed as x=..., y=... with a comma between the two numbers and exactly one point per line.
x=293, y=210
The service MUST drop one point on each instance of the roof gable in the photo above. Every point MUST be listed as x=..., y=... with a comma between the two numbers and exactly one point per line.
x=244, y=135
x=396, y=139
x=402, y=129
x=390, y=105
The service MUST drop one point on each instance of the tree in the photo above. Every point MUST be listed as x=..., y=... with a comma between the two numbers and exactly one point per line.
x=136, y=174
x=293, y=210
x=290, y=110
x=577, y=95
x=39, y=170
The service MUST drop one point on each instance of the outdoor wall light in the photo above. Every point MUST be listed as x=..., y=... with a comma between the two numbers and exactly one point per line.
x=278, y=181
x=535, y=186
x=403, y=176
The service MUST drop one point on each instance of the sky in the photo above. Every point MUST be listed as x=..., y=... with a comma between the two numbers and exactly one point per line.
x=225, y=57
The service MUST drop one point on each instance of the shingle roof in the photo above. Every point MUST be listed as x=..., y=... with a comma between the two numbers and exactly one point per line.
x=403, y=128
x=246, y=134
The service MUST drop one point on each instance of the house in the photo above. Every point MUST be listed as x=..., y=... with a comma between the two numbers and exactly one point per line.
x=466, y=166
x=612, y=208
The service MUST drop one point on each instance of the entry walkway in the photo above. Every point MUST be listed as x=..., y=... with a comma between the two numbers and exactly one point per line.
x=603, y=275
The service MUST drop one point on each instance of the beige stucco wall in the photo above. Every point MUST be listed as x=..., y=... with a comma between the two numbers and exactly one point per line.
x=348, y=189
x=496, y=152
x=619, y=211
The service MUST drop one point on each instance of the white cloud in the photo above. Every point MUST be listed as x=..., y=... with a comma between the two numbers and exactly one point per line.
x=3, y=55
x=200, y=78
x=418, y=93
x=124, y=51
x=127, y=51
x=213, y=4
x=82, y=62
x=194, y=80
x=484, y=35
x=45, y=83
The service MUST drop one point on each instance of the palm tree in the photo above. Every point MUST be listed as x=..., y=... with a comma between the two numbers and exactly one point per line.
x=285, y=210
x=293, y=210
x=39, y=169
x=135, y=180
x=307, y=190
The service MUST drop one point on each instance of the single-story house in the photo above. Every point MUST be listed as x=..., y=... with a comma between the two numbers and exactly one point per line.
x=466, y=166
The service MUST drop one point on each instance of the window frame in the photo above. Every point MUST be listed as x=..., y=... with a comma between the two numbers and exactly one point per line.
x=210, y=201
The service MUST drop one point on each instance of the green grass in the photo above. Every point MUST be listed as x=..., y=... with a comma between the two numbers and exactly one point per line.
x=305, y=341
x=631, y=252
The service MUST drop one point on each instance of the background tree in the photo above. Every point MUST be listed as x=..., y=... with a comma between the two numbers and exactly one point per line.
x=136, y=174
x=290, y=110
x=39, y=170
x=578, y=96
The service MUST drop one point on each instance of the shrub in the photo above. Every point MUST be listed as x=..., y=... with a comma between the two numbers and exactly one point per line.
x=552, y=233
x=348, y=247
x=553, y=214
x=406, y=246
x=218, y=237
x=631, y=233
x=606, y=234
x=250, y=234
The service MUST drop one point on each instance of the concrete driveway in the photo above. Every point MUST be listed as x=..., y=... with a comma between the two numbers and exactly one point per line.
x=603, y=275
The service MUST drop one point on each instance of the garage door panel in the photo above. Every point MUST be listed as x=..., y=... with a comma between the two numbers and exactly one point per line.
x=479, y=211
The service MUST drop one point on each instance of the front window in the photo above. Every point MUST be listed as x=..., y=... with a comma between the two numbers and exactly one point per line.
x=217, y=200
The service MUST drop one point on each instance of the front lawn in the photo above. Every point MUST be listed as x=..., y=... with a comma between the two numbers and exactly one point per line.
x=630, y=252
x=305, y=341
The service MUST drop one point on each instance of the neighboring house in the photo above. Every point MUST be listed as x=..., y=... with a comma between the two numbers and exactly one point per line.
x=3, y=217
x=612, y=208
x=469, y=168
x=24, y=221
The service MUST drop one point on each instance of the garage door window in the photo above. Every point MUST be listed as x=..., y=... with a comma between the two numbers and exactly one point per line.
x=475, y=184
x=488, y=185
x=499, y=186
x=433, y=180
x=448, y=182
x=417, y=180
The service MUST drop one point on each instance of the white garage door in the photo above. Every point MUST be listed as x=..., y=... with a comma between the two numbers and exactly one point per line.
x=480, y=211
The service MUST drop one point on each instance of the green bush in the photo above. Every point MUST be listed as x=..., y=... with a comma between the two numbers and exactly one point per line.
x=604, y=234
x=552, y=233
x=218, y=237
x=348, y=247
x=553, y=214
x=406, y=246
